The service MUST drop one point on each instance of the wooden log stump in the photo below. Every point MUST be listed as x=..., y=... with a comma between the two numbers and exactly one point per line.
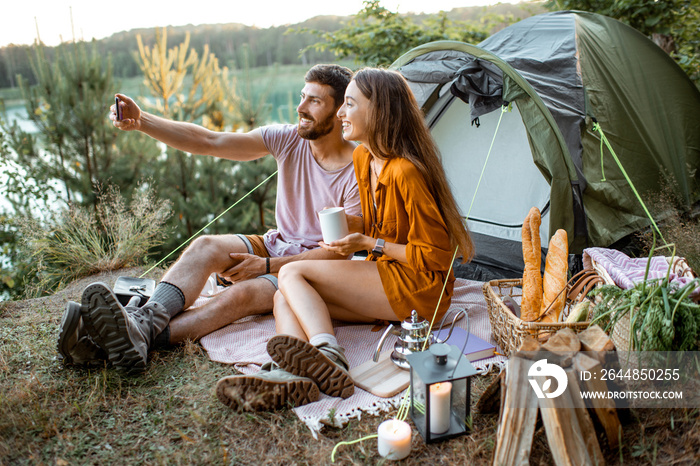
x=519, y=415
x=570, y=433
x=603, y=409
x=490, y=399
x=568, y=420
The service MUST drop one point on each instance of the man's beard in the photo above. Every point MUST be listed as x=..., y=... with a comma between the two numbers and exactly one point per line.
x=318, y=129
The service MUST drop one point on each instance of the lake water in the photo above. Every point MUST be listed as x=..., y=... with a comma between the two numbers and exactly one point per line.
x=14, y=113
x=18, y=113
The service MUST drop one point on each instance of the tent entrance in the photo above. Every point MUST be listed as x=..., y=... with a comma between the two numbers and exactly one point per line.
x=511, y=183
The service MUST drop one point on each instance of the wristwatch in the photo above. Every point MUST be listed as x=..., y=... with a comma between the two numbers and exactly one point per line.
x=378, y=250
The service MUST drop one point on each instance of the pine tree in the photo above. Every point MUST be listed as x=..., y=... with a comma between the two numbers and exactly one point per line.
x=187, y=87
x=69, y=105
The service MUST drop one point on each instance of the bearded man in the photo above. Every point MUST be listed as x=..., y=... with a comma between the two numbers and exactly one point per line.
x=315, y=172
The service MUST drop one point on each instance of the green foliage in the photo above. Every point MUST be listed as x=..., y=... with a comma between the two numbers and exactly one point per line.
x=15, y=269
x=78, y=242
x=13, y=63
x=68, y=106
x=74, y=150
x=257, y=214
x=657, y=314
x=674, y=25
x=267, y=46
x=251, y=108
x=25, y=184
x=661, y=317
x=23, y=194
x=377, y=36
x=165, y=71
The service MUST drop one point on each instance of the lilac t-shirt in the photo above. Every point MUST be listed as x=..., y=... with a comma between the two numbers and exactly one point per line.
x=303, y=188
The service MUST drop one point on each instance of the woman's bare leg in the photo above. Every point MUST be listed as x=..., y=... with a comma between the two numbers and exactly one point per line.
x=317, y=291
x=285, y=320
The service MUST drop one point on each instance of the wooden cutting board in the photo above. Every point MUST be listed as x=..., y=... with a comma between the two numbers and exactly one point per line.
x=382, y=378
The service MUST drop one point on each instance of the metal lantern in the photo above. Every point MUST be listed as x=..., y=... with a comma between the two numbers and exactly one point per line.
x=440, y=392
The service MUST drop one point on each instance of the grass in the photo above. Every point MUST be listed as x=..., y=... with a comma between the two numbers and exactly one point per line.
x=170, y=415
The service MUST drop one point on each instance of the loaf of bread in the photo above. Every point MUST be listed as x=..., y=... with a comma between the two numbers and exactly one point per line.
x=554, y=281
x=532, y=255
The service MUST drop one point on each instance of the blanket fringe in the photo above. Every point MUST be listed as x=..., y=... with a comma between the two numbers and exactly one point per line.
x=315, y=424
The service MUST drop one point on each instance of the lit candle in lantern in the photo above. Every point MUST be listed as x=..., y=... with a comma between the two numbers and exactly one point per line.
x=440, y=396
x=394, y=439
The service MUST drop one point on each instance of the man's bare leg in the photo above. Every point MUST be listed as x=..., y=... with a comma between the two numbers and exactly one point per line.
x=206, y=255
x=242, y=299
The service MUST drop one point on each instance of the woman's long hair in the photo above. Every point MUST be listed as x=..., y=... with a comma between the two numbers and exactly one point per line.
x=397, y=128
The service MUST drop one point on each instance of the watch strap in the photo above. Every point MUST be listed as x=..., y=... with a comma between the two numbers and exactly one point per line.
x=378, y=248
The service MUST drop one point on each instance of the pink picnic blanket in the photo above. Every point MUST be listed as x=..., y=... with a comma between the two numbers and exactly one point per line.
x=626, y=272
x=243, y=344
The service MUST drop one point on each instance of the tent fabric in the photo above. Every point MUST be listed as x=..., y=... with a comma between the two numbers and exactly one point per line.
x=564, y=71
x=479, y=84
x=543, y=50
x=542, y=134
x=648, y=109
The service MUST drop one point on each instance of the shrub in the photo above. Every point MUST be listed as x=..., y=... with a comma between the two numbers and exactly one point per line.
x=77, y=242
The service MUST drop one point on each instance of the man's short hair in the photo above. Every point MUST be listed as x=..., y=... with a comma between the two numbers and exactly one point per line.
x=335, y=76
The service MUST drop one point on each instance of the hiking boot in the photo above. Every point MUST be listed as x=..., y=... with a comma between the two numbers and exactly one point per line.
x=125, y=334
x=75, y=346
x=271, y=388
x=325, y=364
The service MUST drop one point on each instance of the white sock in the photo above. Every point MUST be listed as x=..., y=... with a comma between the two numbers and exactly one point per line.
x=323, y=338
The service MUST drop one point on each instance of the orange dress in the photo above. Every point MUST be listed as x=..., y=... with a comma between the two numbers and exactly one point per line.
x=406, y=213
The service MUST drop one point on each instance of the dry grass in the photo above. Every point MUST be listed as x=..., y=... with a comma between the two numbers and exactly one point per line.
x=169, y=414
x=78, y=242
x=679, y=225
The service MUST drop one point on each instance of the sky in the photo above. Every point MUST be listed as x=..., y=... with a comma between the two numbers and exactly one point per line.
x=90, y=19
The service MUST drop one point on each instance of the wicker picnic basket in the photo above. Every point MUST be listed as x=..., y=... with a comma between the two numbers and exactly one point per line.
x=507, y=329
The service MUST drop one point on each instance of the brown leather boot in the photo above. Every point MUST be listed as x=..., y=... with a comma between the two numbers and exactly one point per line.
x=271, y=388
x=325, y=364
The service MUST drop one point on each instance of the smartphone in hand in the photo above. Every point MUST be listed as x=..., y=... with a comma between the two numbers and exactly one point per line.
x=119, y=110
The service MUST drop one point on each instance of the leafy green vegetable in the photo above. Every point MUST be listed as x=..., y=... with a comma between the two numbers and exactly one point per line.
x=662, y=316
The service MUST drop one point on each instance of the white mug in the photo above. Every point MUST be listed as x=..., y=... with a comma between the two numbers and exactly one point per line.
x=334, y=224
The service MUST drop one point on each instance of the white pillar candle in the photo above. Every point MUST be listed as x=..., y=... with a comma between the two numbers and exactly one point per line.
x=440, y=407
x=394, y=439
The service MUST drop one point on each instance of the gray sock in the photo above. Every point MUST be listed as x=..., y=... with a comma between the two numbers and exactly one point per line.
x=169, y=296
x=323, y=338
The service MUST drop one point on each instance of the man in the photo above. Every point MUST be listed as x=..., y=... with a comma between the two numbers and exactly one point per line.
x=315, y=171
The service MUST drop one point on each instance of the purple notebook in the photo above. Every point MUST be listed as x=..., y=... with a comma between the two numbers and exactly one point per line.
x=476, y=347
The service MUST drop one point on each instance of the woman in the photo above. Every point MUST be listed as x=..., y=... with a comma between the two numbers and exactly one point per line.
x=410, y=223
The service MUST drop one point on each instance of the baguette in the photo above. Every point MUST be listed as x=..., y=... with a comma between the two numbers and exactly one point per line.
x=554, y=281
x=532, y=256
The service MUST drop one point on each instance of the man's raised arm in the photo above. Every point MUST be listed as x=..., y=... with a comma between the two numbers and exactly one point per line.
x=188, y=137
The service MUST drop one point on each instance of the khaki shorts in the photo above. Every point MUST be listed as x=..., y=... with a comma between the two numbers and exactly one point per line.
x=256, y=245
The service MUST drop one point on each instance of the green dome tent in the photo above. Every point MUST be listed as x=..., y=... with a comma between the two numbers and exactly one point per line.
x=561, y=73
